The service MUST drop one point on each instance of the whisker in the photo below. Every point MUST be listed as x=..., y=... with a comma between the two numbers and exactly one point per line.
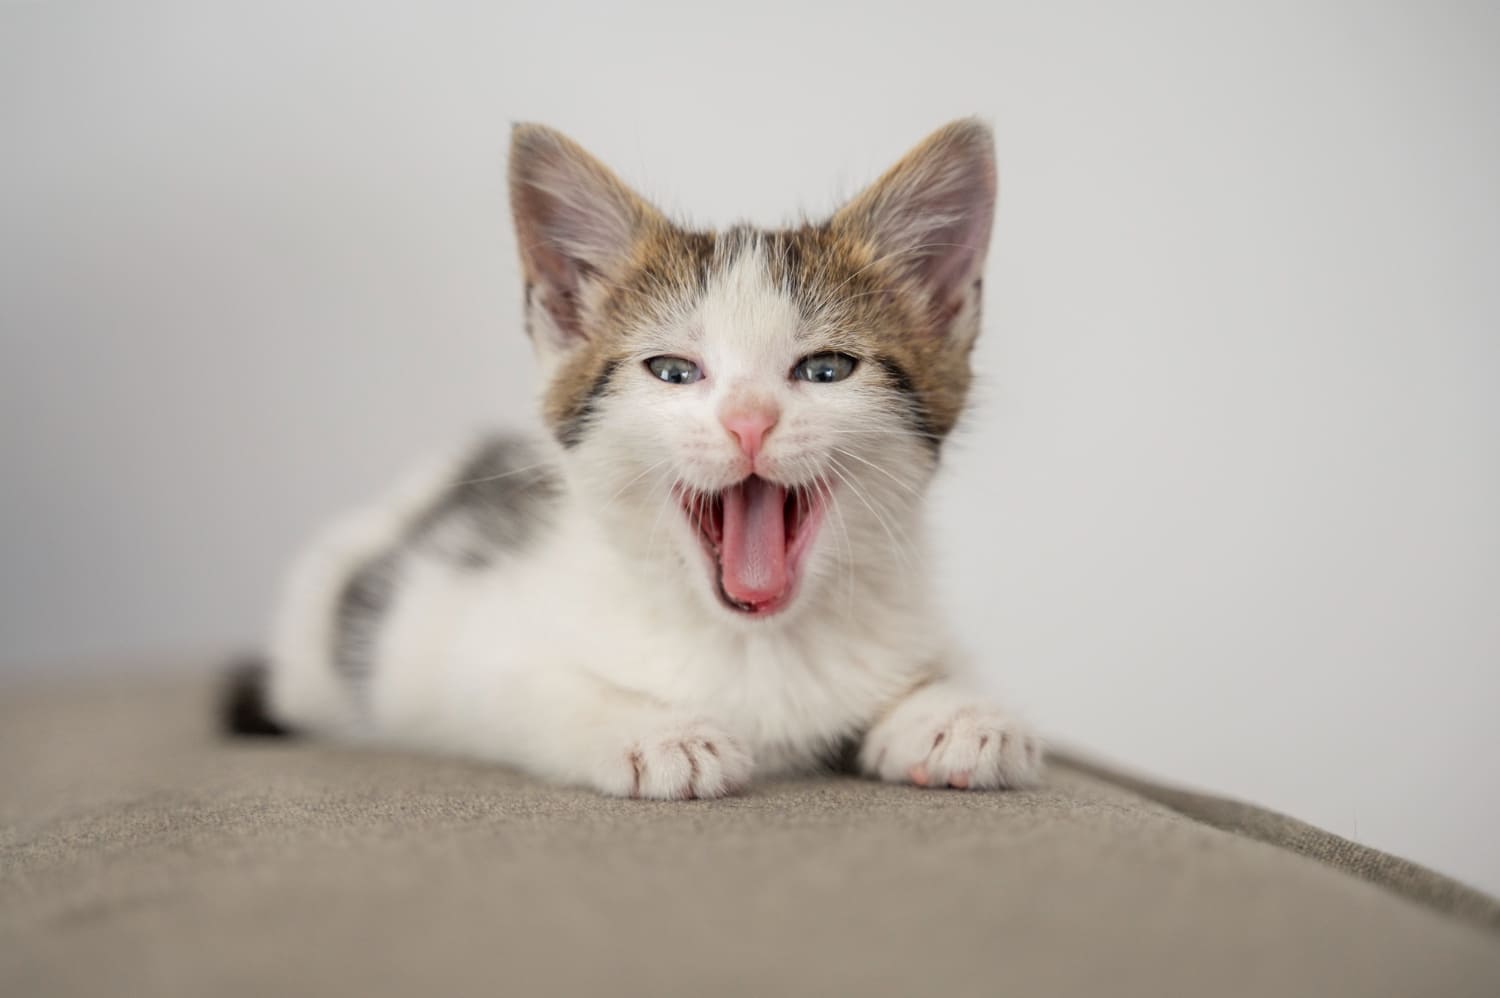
x=622, y=490
x=880, y=434
x=878, y=468
x=845, y=565
x=897, y=546
x=665, y=505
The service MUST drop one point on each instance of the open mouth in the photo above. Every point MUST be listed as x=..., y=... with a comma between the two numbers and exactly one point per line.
x=755, y=533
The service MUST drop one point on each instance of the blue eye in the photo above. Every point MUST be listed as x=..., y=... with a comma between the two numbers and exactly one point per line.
x=823, y=368
x=675, y=370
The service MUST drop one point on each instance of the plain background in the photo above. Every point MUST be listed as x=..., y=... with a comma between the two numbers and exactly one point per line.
x=1227, y=506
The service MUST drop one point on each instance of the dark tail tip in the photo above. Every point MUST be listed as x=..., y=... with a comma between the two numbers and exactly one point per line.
x=243, y=709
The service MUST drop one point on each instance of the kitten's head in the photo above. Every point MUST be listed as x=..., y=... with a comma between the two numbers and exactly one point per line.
x=759, y=411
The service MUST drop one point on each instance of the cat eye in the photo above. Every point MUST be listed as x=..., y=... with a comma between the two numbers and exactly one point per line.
x=823, y=368
x=675, y=370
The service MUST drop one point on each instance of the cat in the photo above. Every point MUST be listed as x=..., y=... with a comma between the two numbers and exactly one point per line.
x=712, y=567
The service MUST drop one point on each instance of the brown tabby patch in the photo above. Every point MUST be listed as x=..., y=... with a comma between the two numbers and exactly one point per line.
x=852, y=297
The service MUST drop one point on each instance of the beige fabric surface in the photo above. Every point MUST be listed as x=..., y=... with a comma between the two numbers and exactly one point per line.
x=140, y=854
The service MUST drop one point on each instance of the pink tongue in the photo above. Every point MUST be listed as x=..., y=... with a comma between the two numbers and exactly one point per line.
x=752, y=557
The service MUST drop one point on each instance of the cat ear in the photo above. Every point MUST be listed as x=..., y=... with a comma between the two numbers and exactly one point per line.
x=930, y=214
x=576, y=226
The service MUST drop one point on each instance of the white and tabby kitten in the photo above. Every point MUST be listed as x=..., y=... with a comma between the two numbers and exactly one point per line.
x=713, y=568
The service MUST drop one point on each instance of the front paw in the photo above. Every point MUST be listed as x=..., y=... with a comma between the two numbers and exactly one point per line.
x=938, y=737
x=675, y=760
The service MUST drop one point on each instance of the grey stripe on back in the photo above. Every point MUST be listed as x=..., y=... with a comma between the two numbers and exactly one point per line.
x=361, y=608
x=500, y=499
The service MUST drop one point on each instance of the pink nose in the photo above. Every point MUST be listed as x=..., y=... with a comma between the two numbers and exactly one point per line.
x=750, y=427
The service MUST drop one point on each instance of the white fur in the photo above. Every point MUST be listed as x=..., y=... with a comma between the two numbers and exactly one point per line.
x=599, y=654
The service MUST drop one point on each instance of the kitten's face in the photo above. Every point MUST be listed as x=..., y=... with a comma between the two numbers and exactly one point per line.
x=758, y=411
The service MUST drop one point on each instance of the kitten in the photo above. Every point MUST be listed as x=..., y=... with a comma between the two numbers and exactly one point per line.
x=714, y=568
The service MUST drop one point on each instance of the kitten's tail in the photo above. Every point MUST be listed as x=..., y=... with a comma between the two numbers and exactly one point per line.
x=243, y=705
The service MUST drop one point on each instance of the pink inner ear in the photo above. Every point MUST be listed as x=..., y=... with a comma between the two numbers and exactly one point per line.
x=943, y=221
x=957, y=255
x=932, y=211
x=574, y=218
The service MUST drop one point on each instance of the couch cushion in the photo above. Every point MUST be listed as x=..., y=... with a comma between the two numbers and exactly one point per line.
x=141, y=854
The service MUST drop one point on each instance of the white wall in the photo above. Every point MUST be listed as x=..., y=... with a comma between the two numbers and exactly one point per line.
x=1226, y=507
